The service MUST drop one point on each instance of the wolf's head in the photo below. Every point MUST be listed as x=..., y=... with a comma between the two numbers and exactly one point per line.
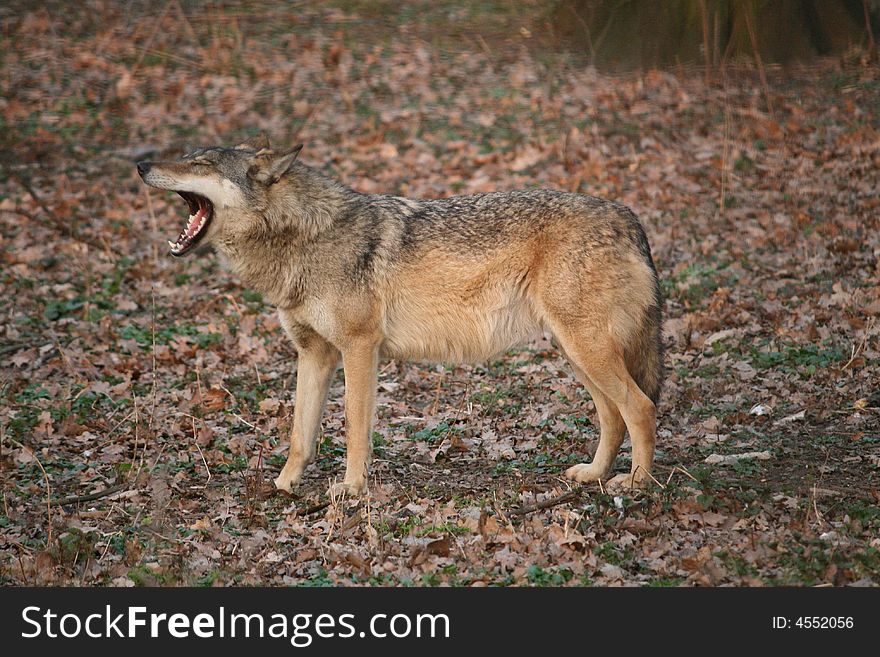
x=220, y=186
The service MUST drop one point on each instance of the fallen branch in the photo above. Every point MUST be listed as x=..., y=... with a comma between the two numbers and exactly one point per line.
x=90, y=497
x=315, y=508
x=16, y=346
x=570, y=496
x=731, y=459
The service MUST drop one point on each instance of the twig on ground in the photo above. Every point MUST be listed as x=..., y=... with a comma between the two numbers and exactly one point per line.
x=314, y=508
x=17, y=346
x=681, y=469
x=570, y=496
x=436, y=405
x=153, y=354
x=154, y=248
x=650, y=475
x=198, y=447
x=857, y=350
x=90, y=497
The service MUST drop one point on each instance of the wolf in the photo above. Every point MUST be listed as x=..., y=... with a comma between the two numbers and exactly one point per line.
x=359, y=277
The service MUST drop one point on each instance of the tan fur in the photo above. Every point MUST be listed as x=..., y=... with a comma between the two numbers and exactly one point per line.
x=452, y=309
x=357, y=278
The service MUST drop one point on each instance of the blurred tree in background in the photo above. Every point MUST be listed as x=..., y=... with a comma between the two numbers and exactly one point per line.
x=646, y=33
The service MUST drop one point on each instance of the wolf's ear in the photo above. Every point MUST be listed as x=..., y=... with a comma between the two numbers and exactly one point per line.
x=257, y=143
x=270, y=166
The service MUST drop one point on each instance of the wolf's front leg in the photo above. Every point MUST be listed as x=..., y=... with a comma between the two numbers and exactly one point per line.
x=316, y=363
x=360, y=362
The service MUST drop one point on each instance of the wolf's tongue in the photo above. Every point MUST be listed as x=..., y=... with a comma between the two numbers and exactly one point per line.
x=193, y=226
x=195, y=221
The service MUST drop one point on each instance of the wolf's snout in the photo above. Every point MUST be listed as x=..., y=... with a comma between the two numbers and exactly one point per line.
x=144, y=167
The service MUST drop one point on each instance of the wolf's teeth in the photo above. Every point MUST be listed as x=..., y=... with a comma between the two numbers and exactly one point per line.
x=171, y=244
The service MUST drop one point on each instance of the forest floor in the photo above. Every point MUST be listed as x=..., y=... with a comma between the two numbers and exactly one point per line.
x=165, y=388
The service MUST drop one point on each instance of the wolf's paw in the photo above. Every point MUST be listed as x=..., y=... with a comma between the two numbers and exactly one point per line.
x=291, y=474
x=584, y=472
x=347, y=489
x=626, y=481
x=286, y=481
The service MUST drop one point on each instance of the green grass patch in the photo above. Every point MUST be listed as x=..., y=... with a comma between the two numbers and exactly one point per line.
x=143, y=335
x=802, y=359
x=696, y=283
x=537, y=576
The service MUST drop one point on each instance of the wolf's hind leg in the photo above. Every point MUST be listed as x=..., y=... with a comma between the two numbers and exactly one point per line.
x=612, y=429
x=602, y=361
x=317, y=362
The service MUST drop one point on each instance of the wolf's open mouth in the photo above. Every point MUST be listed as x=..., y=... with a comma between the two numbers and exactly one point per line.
x=200, y=212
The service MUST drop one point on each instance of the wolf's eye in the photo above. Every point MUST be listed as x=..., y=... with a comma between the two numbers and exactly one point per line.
x=201, y=161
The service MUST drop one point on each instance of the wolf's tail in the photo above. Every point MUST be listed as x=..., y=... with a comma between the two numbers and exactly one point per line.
x=644, y=353
x=644, y=356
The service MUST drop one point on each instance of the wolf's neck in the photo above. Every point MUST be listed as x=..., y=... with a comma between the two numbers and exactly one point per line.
x=304, y=203
x=274, y=254
x=275, y=268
